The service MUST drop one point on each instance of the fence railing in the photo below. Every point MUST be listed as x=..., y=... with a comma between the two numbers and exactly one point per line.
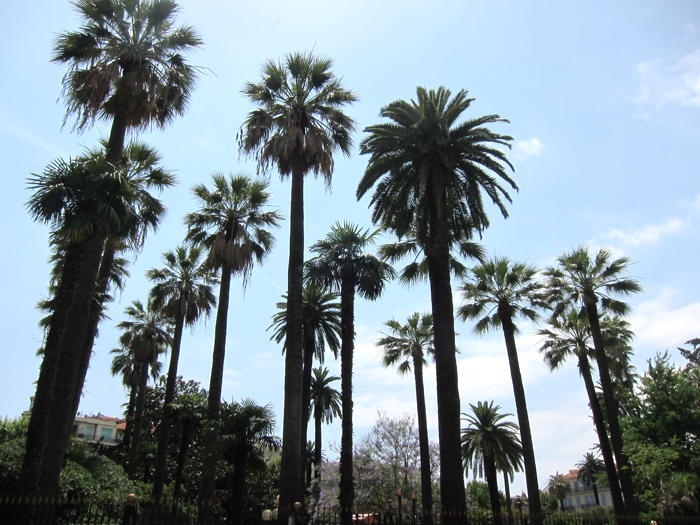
x=125, y=511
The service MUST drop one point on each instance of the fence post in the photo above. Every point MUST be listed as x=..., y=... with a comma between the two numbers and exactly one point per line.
x=131, y=510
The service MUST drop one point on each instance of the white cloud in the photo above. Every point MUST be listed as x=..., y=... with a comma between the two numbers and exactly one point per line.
x=660, y=325
x=678, y=83
x=27, y=136
x=529, y=148
x=648, y=235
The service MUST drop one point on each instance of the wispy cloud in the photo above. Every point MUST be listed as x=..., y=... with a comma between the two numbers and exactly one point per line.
x=678, y=83
x=22, y=134
x=529, y=148
x=659, y=324
x=650, y=234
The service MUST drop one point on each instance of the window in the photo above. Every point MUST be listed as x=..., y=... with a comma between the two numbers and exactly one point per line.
x=106, y=434
x=602, y=500
x=578, y=502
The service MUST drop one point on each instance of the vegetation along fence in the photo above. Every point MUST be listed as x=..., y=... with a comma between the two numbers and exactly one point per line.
x=16, y=511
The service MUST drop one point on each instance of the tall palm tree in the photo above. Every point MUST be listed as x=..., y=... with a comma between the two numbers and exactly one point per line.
x=298, y=127
x=244, y=430
x=342, y=264
x=326, y=405
x=585, y=281
x=146, y=335
x=430, y=171
x=488, y=443
x=588, y=468
x=321, y=328
x=408, y=345
x=232, y=224
x=126, y=65
x=559, y=488
x=569, y=334
x=183, y=291
x=86, y=200
x=496, y=293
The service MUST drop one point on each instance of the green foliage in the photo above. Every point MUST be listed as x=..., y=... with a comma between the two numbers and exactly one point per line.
x=478, y=495
x=12, y=443
x=549, y=502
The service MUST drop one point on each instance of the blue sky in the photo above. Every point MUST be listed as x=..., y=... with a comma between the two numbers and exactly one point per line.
x=603, y=101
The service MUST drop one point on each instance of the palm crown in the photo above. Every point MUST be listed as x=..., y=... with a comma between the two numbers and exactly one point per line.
x=408, y=343
x=127, y=56
x=231, y=222
x=501, y=287
x=300, y=118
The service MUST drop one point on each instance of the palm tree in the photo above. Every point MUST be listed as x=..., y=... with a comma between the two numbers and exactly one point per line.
x=495, y=293
x=433, y=171
x=183, y=291
x=187, y=411
x=231, y=225
x=588, y=468
x=408, y=345
x=559, y=488
x=570, y=334
x=86, y=200
x=244, y=430
x=321, y=327
x=298, y=126
x=325, y=402
x=126, y=64
x=585, y=281
x=146, y=335
x=341, y=264
x=487, y=443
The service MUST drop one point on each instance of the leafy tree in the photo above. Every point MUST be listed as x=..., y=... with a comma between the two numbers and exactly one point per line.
x=342, y=264
x=479, y=496
x=188, y=411
x=298, y=127
x=429, y=172
x=232, y=224
x=487, y=442
x=588, y=468
x=585, y=281
x=183, y=292
x=407, y=345
x=495, y=294
x=559, y=488
x=569, y=334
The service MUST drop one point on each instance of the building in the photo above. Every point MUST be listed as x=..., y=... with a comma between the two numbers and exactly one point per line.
x=95, y=428
x=581, y=497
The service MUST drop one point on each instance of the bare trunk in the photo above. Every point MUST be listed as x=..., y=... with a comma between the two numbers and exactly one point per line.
x=305, y=401
x=533, y=489
x=611, y=410
x=138, y=421
x=164, y=427
x=599, y=421
x=425, y=481
x=347, y=313
x=492, y=482
x=290, y=470
x=451, y=475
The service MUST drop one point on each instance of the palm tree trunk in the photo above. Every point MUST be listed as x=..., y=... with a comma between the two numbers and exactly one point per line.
x=71, y=343
x=305, y=401
x=290, y=471
x=238, y=488
x=181, y=458
x=509, y=503
x=533, y=489
x=318, y=453
x=599, y=421
x=595, y=493
x=492, y=482
x=206, y=489
x=451, y=474
x=623, y=466
x=347, y=312
x=425, y=481
x=130, y=409
x=164, y=427
x=102, y=286
x=28, y=482
x=138, y=421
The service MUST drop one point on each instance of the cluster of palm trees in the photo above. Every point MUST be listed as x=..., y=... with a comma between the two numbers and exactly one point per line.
x=429, y=171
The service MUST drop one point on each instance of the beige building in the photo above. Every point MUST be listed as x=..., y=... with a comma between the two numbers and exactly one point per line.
x=581, y=497
x=95, y=428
